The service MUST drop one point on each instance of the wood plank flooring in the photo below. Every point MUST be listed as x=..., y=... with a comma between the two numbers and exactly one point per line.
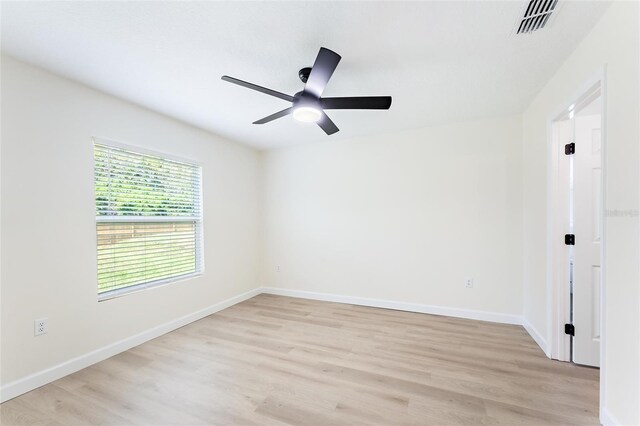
x=276, y=360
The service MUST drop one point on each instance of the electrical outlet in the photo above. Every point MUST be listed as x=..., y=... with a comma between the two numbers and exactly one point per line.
x=278, y=268
x=40, y=326
x=468, y=282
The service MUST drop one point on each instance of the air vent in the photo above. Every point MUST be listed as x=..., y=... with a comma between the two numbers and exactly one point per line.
x=536, y=15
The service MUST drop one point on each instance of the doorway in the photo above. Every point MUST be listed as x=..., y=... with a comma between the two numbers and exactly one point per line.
x=577, y=210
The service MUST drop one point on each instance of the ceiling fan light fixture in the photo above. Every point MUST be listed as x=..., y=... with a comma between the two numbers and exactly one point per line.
x=307, y=114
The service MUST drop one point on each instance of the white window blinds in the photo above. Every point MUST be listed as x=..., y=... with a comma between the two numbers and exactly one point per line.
x=148, y=219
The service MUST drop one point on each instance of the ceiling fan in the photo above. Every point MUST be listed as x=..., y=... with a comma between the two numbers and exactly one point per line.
x=308, y=105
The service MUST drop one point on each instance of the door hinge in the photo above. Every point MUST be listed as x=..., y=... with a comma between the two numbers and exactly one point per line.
x=570, y=148
x=569, y=329
x=570, y=239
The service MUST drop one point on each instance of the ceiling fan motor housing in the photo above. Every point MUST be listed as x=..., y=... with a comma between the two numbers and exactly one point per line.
x=305, y=99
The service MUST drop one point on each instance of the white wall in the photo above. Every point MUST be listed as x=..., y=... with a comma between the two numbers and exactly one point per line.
x=402, y=217
x=613, y=43
x=48, y=226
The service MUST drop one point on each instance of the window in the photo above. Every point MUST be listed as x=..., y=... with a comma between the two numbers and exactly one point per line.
x=148, y=220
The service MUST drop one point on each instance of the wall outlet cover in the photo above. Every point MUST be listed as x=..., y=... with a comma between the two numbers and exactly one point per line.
x=40, y=326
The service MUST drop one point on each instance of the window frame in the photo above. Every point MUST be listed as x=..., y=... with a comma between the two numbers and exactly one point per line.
x=111, y=294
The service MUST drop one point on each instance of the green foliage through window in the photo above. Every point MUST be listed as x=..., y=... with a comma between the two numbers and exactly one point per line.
x=129, y=184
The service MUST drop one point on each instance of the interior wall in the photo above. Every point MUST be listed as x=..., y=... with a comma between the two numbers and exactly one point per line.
x=48, y=219
x=401, y=217
x=614, y=44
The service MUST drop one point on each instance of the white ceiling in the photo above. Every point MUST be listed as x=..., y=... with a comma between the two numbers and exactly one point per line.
x=441, y=61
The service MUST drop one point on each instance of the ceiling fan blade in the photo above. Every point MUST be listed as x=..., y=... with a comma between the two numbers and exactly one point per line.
x=327, y=125
x=321, y=71
x=363, y=102
x=258, y=88
x=275, y=116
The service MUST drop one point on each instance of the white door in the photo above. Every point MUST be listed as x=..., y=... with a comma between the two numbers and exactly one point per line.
x=587, y=227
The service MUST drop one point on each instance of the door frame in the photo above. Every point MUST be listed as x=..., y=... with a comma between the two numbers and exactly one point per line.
x=558, y=303
x=559, y=308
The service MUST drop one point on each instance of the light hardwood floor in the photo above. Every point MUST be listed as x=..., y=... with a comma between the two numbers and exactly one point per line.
x=276, y=360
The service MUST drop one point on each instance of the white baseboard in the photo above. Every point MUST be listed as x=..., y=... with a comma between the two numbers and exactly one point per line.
x=33, y=381
x=537, y=337
x=400, y=306
x=607, y=419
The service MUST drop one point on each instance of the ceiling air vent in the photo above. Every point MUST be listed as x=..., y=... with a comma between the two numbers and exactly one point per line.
x=536, y=15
